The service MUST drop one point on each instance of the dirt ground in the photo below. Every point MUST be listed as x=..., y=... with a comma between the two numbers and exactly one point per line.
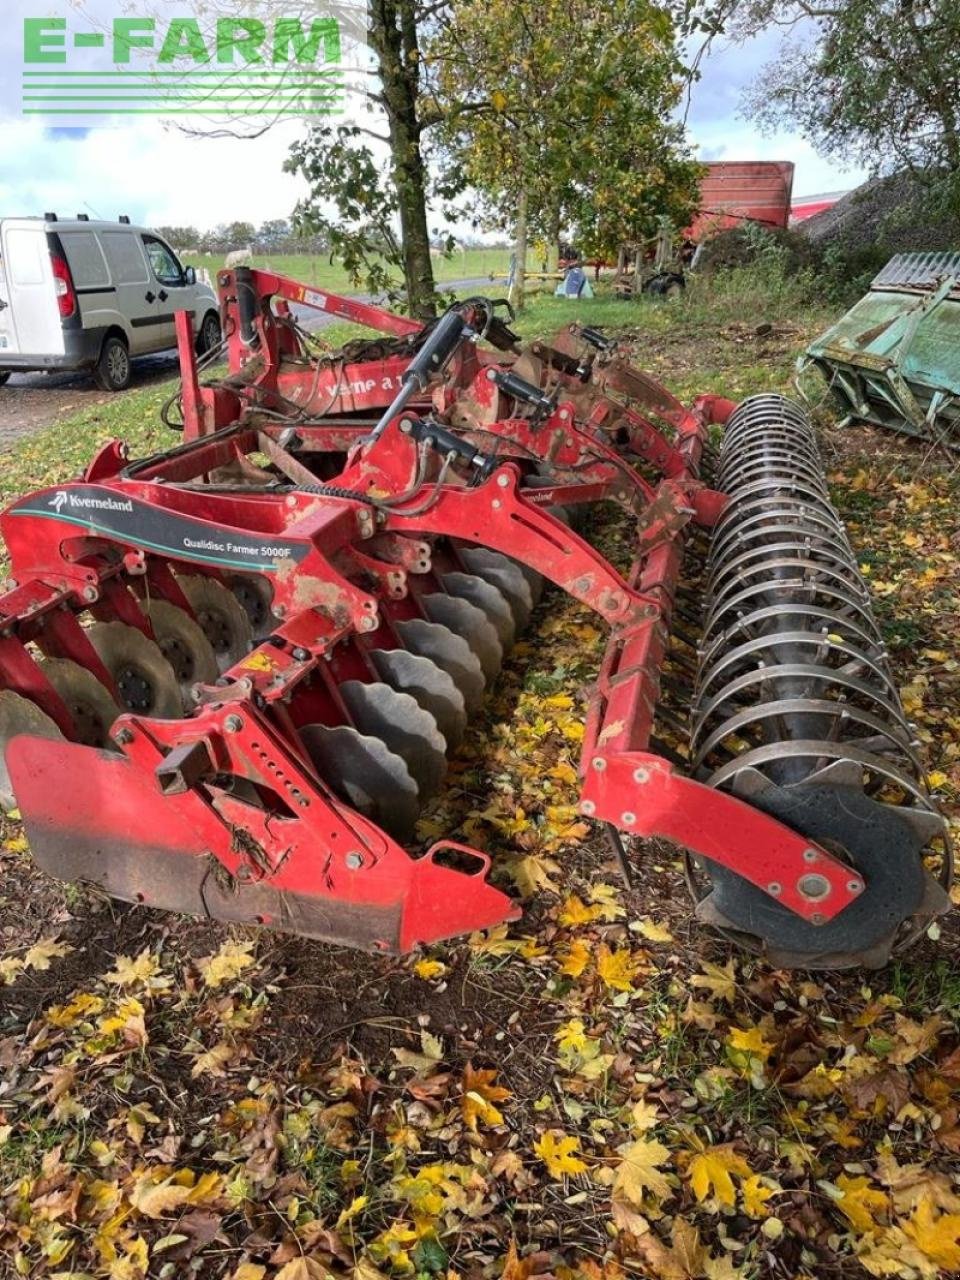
x=31, y=401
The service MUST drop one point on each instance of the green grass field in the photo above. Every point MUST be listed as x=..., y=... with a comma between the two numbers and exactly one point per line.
x=317, y=269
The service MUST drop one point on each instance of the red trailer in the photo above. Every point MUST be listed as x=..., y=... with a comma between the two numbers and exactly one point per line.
x=735, y=191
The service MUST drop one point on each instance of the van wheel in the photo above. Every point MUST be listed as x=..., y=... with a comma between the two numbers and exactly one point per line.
x=113, y=368
x=209, y=335
x=4, y=376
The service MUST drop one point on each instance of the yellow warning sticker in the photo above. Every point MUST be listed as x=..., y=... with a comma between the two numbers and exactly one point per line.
x=260, y=662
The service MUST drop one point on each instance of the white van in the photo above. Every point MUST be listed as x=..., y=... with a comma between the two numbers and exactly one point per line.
x=78, y=294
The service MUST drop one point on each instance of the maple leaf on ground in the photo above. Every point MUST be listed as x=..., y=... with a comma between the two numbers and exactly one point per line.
x=750, y=1041
x=42, y=952
x=616, y=969
x=571, y=1037
x=755, y=1196
x=576, y=958
x=574, y=911
x=560, y=1154
x=710, y=1172
x=157, y=1199
x=935, y=1234
x=607, y=898
x=643, y=1116
x=213, y=1061
x=303, y=1269
x=479, y=1096
x=721, y=982
x=914, y=1038
x=639, y=1171
x=860, y=1201
x=227, y=963
x=429, y=1057
x=652, y=931
x=494, y=942
x=908, y=1184
x=534, y=873
x=685, y=1259
x=527, y=1268
x=127, y=971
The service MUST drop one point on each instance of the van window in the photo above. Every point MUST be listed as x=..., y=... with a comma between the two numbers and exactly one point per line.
x=165, y=266
x=84, y=258
x=26, y=251
x=122, y=251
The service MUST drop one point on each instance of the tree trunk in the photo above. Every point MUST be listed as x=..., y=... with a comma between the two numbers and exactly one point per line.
x=393, y=34
x=553, y=240
x=516, y=296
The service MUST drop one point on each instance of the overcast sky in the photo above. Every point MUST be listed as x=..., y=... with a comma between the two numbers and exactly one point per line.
x=160, y=176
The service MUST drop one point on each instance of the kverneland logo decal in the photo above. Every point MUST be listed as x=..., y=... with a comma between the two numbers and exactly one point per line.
x=78, y=501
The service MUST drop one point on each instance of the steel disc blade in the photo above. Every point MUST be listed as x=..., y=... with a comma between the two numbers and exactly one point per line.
x=432, y=687
x=221, y=617
x=466, y=620
x=143, y=677
x=184, y=645
x=875, y=840
x=255, y=595
x=505, y=574
x=91, y=706
x=486, y=597
x=449, y=652
x=19, y=715
x=403, y=725
x=365, y=773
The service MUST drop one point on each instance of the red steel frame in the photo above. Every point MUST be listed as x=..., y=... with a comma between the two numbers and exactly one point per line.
x=311, y=863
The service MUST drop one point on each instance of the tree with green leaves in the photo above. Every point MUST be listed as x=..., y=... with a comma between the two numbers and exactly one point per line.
x=357, y=199
x=558, y=113
x=876, y=81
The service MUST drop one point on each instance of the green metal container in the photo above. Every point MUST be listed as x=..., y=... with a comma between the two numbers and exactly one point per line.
x=894, y=358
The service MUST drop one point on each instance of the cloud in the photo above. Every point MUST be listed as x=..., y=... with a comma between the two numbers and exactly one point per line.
x=718, y=130
x=152, y=172
x=158, y=174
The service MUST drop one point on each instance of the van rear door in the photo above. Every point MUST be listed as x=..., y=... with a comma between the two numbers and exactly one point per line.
x=8, y=333
x=33, y=325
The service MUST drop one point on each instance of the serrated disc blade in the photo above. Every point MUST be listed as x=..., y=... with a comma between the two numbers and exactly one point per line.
x=19, y=715
x=399, y=721
x=221, y=616
x=486, y=597
x=143, y=677
x=432, y=687
x=466, y=620
x=91, y=706
x=184, y=645
x=255, y=595
x=450, y=652
x=534, y=580
x=506, y=576
x=362, y=771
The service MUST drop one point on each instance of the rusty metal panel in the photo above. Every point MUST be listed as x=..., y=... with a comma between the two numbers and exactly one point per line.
x=734, y=191
x=894, y=359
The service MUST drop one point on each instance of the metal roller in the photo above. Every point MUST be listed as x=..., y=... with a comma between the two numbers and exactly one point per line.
x=795, y=707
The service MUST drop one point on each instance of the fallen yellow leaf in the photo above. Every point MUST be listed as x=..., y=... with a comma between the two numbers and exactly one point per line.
x=710, y=1172
x=559, y=1153
x=640, y=1171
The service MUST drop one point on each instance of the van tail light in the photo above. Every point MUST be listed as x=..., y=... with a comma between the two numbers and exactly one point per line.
x=63, y=283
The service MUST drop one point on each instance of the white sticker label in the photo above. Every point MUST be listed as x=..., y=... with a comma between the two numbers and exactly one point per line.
x=315, y=299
